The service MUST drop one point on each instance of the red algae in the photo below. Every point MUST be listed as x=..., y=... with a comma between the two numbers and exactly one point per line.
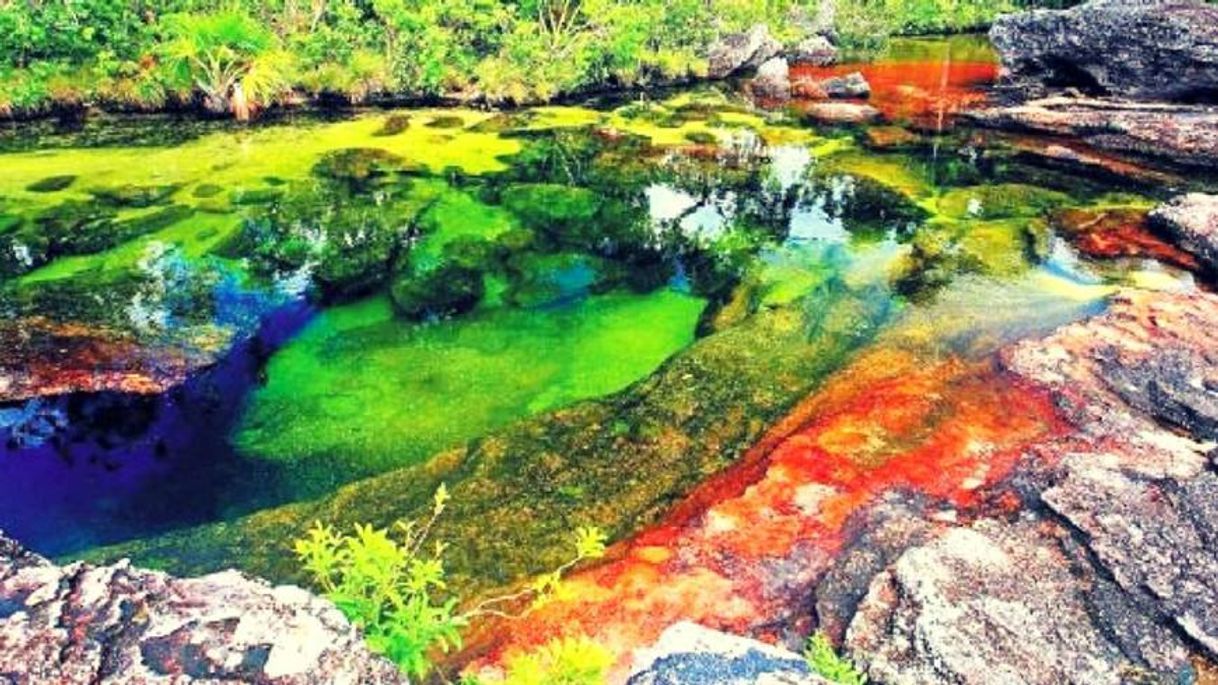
x=1119, y=232
x=925, y=94
x=743, y=552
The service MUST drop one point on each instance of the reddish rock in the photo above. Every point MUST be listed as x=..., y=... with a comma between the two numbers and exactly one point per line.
x=39, y=357
x=1118, y=232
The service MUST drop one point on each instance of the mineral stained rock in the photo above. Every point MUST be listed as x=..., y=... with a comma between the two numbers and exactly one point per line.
x=1192, y=220
x=1147, y=50
x=86, y=624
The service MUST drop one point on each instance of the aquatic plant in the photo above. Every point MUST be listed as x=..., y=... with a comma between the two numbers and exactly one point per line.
x=394, y=591
x=826, y=662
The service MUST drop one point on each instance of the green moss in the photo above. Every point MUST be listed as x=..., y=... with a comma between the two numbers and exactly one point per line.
x=446, y=122
x=454, y=216
x=358, y=165
x=134, y=195
x=419, y=389
x=443, y=291
x=551, y=208
x=1003, y=201
x=394, y=124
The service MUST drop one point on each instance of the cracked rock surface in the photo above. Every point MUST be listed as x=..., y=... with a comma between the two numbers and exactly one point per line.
x=117, y=624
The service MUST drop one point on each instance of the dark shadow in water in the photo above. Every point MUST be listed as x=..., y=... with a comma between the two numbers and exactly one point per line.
x=87, y=470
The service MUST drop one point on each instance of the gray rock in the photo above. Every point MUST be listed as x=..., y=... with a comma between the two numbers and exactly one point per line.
x=992, y=603
x=1192, y=220
x=1143, y=49
x=773, y=80
x=741, y=52
x=814, y=51
x=690, y=654
x=85, y=624
x=1184, y=135
x=852, y=85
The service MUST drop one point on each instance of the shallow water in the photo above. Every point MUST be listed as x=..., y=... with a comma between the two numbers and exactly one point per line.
x=570, y=314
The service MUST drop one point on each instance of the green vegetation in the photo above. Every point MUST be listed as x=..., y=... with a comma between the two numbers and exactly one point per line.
x=826, y=663
x=236, y=56
x=394, y=591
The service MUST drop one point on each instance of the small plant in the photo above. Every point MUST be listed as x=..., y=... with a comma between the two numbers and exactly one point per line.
x=393, y=586
x=826, y=663
x=565, y=661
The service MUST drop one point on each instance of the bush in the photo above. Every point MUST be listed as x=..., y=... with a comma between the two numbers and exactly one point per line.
x=827, y=664
x=395, y=591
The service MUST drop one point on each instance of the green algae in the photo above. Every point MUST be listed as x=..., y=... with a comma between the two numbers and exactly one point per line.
x=360, y=392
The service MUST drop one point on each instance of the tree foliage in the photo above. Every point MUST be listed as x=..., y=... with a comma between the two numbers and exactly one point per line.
x=242, y=54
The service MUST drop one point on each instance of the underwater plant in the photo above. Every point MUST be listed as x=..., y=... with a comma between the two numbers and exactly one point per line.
x=393, y=589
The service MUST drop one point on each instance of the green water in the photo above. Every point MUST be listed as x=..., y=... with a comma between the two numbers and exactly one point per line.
x=568, y=315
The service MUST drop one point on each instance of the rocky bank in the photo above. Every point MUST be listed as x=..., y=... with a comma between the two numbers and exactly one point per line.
x=1131, y=77
x=118, y=624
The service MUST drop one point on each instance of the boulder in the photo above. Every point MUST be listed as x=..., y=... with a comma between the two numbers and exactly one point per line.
x=1192, y=221
x=990, y=603
x=1142, y=49
x=81, y=624
x=814, y=51
x=689, y=654
x=773, y=80
x=1182, y=135
x=741, y=52
x=852, y=85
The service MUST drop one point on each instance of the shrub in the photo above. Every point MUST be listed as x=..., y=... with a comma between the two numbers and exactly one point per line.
x=827, y=664
x=393, y=588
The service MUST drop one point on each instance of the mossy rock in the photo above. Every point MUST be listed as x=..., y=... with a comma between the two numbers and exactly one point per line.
x=393, y=125
x=358, y=165
x=702, y=138
x=868, y=208
x=447, y=290
x=51, y=184
x=1003, y=201
x=552, y=208
x=134, y=195
x=207, y=190
x=944, y=249
x=255, y=196
x=445, y=121
x=543, y=279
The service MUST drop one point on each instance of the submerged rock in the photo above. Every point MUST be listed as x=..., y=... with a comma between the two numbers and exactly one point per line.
x=840, y=113
x=1153, y=50
x=1192, y=220
x=741, y=52
x=850, y=86
x=689, y=654
x=82, y=623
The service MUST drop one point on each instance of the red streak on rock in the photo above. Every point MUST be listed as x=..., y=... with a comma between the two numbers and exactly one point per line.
x=1119, y=232
x=925, y=94
x=743, y=552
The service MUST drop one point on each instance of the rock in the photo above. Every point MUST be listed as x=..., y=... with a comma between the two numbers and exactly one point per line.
x=1184, y=135
x=991, y=603
x=1192, y=221
x=1138, y=383
x=740, y=52
x=814, y=51
x=1114, y=232
x=852, y=85
x=447, y=290
x=1153, y=50
x=81, y=623
x=689, y=654
x=773, y=80
x=840, y=113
